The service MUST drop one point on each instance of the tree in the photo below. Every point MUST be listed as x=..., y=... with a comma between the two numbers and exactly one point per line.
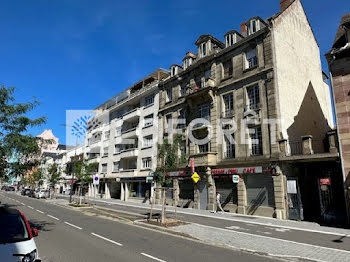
x=169, y=158
x=83, y=171
x=19, y=150
x=54, y=175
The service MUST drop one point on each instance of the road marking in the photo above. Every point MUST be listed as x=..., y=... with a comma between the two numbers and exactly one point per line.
x=53, y=217
x=22, y=203
x=251, y=223
x=30, y=207
x=109, y=240
x=73, y=225
x=152, y=257
x=278, y=239
x=39, y=211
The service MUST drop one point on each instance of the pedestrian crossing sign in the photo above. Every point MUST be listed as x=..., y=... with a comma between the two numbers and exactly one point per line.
x=195, y=177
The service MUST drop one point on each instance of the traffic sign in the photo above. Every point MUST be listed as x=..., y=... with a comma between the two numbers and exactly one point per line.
x=96, y=180
x=235, y=179
x=195, y=177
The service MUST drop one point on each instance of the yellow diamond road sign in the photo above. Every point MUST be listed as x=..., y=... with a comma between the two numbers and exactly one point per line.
x=195, y=177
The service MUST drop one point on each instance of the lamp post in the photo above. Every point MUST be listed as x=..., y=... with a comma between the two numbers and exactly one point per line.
x=75, y=156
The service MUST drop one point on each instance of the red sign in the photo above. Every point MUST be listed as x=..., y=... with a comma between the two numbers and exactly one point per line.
x=239, y=170
x=192, y=164
x=325, y=181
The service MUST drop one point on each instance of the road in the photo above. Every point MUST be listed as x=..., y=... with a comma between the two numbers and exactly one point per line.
x=310, y=237
x=68, y=235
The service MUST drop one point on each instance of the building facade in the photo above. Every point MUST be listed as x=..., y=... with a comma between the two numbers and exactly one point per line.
x=339, y=65
x=268, y=76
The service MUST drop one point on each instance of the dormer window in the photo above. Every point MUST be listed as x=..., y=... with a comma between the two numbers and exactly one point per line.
x=173, y=71
x=203, y=49
x=253, y=26
x=230, y=39
x=187, y=63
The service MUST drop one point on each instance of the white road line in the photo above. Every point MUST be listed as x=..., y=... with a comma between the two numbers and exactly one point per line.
x=118, y=244
x=53, y=217
x=152, y=257
x=39, y=211
x=22, y=203
x=30, y=207
x=73, y=225
x=278, y=239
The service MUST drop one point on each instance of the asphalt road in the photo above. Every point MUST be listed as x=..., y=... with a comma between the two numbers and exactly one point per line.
x=336, y=241
x=68, y=235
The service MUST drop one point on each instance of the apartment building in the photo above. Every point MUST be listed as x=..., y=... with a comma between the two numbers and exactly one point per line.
x=122, y=139
x=269, y=75
x=339, y=65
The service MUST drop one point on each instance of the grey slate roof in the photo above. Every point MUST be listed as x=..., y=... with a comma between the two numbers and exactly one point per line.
x=339, y=40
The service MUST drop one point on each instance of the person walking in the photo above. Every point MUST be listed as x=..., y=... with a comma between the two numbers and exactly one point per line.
x=218, y=201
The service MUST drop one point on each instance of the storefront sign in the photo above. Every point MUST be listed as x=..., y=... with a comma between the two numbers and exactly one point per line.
x=239, y=170
x=149, y=179
x=178, y=173
x=325, y=181
x=192, y=164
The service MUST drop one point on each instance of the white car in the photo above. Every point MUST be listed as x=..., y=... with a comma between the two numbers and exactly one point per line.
x=42, y=194
x=16, y=239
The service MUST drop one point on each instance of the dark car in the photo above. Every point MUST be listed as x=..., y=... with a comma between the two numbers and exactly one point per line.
x=25, y=192
x=4, y=188
x=11, y=188
x=31, y=193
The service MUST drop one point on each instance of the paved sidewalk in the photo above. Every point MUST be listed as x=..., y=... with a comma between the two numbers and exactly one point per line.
x=262, y=244
x=290, y=224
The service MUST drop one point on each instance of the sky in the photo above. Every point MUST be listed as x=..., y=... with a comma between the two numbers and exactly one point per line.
x=76, y=54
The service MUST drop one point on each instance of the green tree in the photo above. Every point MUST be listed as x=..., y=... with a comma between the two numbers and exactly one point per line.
x=19, y=150
x=54, y=176
x=83, y=171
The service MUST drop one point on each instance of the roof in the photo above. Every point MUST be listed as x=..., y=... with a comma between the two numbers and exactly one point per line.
x=233, y=32
x=340, y=40
x=203, y=38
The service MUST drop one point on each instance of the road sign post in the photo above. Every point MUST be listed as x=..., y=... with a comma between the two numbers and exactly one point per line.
x=195, y=177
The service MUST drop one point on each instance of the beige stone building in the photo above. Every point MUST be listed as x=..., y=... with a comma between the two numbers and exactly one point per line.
x=269, y=75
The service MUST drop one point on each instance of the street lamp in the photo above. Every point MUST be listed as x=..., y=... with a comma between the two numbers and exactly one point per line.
x=75, y=156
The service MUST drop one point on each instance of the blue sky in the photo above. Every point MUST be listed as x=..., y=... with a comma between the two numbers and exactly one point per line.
x=75, y=54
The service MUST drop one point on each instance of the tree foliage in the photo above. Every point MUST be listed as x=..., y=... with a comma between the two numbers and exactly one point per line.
x=169, y=158
x=54, y=174
x=18, y=150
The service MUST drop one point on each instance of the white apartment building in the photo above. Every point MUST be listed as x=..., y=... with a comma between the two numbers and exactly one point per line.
x=122, y=138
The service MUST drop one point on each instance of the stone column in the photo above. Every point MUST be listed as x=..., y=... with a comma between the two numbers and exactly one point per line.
x=307, y=145
x=242, y=197
x=122, y=191
x=279, y=184
x=332, y=140
x=211, y=190
x=176, y=191
x=196, y=204
x=283, y=147
x=107, y=191
x=126, y=196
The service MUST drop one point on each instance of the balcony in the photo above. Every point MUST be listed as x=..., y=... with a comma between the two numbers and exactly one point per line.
x=129, y=153
x=127, y=172
x=204, y=159
x=132, y=115
x=129, y=133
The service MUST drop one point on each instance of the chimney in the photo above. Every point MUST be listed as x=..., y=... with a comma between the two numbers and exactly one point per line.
x=244, y=27
x=284, y=4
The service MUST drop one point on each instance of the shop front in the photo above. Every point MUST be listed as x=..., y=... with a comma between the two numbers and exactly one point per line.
x=182, y=190
x=135, y=189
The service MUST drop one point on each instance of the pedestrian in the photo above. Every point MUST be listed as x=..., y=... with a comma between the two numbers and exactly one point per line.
x=218, y=201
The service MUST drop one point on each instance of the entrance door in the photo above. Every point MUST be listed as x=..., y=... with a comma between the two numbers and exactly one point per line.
x=295, y=206
x=203, y=194
x=326, y=198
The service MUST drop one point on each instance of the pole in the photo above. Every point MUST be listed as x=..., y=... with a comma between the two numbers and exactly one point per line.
x=75, y=156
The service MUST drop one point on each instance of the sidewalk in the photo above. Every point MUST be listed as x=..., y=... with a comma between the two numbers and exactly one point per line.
x=289, y=224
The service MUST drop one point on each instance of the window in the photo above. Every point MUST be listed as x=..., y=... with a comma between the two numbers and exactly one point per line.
x=148, y=141
x=148, y=120
x=104, y=169
x=149, y=100
x=116, y=166
x=14, y=229
x=228, y=68
x=167, y=123
x=251, y=59
x=203, y=49
x=228, y=105
x=203, y=148
x=107, y=134
x=229, y=147
x=207, y=74
x=182, y=116
x=253, y=26
x=204, y=111
x=169, y=95
x=183, y=90
x=173, y=71
x=117, y=149
x=118, y=131
x=255, y=141
x=146, y=162
x=230, y=39
x=253, y=97
x=105, y=151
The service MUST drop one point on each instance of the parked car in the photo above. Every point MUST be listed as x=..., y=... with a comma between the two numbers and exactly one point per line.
x=31, y=193
x=42, y=194
x=11, y=188
x=16, y=238
x=4, y=188
x=25, y=191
